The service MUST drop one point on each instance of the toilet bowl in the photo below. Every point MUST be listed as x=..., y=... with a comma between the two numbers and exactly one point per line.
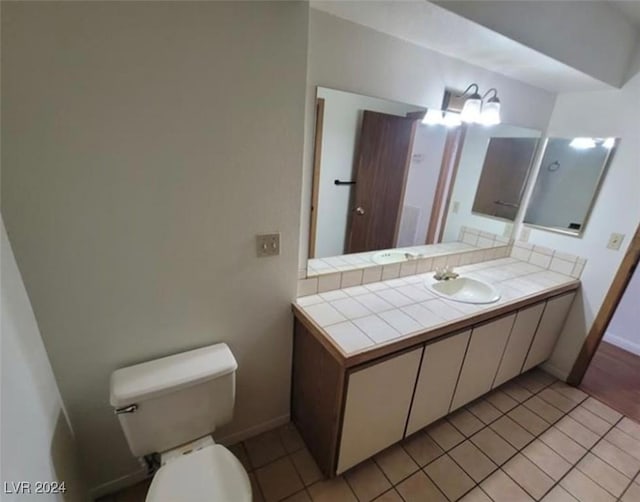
x=168, y=408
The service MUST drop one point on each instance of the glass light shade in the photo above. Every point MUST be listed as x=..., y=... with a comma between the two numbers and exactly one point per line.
x=471, y=109
x=452, y=119
x=433, y=117
x=490, y=114
x=609, y=143
x=582, y=143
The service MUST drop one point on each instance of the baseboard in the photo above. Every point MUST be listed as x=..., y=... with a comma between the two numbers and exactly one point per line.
x=622, y=343
x=118, y=484
x=138, y=476
x=555, y=371
x=236, y=437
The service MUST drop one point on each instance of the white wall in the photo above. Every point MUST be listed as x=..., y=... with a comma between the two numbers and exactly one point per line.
x=593, y=37
x=426, y=161
x=474, y=151
x=340, y=133
x=36, y=441
x=624, y=328
x=144, y=146
x=347, y=56
x=617, y=209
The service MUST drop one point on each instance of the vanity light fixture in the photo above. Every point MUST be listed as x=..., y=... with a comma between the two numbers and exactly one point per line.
x=478, y=109
x=582, y=143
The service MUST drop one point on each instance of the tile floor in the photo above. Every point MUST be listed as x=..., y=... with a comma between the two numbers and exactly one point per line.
x=534, y=438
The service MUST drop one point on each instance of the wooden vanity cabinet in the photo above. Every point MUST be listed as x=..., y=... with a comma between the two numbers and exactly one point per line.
x=481, y=362
x=551, y=324
x=347, y=409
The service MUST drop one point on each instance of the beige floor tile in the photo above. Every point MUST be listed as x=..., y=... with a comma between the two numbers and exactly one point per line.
x=465, y=421
x=558, y=494
x=449, y=477
x=570, y=392
x=610, y=453
x=390, y=496
x=543, y=409
x=332, y=490
x=367, y=481
x=476, y=495
x=484, y=410
x=630, y=427
x=445, y=434
x=475, y=463
x=302, y=496
x=256, y=492
x=512, y=432
x=501, y=401
x=306, y=467
x=278, y=480
x=419, y=488
x=501, y=488
x=534, y=380
x=602, y=410
x=529, y=420
x=422, y=448
x=396, y=463
x=493, y=446
x=563, y=445
x=584, y=489
x=241, y=454
x=602, y=473
x=578, y=432
x=524, y=472
x=623, y=441
x=546, y=459
x=556, y=399
x=590, y=420
x=290, y=437
x=264, y=448
x=632, y=494
x=515, y=391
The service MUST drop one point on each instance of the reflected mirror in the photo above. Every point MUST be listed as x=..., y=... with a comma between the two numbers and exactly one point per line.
x=388, y=187
x=571, y=172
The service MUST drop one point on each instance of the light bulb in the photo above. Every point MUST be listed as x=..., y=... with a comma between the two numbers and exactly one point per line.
x=433, y=117
x=471, y=109
x=490, y=114
x=452, y=119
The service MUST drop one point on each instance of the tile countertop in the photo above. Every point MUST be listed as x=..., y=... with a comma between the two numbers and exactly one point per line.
x=363, y=318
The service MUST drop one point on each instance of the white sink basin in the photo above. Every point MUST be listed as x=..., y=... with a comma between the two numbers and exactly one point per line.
x=392, y=256
x=465, y=290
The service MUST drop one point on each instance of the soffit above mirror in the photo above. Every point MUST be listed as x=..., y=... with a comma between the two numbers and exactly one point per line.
x=433, y=27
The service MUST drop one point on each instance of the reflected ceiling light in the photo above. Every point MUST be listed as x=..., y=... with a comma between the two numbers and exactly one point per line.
x=490, y=114
x=582, y=143
x=472, y=105
x=433, y=117
x=609, y=143
x=452, y=119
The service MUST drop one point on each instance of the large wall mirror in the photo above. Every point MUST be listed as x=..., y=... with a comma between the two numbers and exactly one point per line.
x=388, y=187
x=571, y=172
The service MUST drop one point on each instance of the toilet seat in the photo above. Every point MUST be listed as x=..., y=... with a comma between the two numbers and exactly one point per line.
x=211, y=474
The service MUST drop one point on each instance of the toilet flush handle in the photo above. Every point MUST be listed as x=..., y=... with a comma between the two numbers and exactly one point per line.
x=132, y=408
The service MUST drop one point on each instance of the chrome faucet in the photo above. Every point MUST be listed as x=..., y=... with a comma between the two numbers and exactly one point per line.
x=445, y=274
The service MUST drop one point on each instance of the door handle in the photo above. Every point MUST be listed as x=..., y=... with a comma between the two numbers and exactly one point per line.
x=360, y=210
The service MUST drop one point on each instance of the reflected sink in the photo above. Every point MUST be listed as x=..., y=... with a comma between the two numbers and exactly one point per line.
x=465, y=290
x=392, y=256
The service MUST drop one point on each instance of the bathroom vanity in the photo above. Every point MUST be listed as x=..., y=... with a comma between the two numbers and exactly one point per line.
x=350, y=402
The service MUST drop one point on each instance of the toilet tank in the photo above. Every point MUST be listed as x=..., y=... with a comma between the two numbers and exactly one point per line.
x=166, y=402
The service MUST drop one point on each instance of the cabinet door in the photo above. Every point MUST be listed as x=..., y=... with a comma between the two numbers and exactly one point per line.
x=551, y=324
x=439, y=372
x=376, y=407
x=481, y=362
x=519, y=342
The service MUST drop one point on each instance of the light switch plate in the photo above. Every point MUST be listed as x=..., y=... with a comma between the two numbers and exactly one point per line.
x=525, y=233
x=615, y=241
x=267, y=245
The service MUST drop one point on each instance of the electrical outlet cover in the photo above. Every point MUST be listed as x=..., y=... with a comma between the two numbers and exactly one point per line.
x=524, y=234
x=615, y=241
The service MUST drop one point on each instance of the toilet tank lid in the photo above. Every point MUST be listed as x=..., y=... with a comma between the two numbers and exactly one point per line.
x=169, y=374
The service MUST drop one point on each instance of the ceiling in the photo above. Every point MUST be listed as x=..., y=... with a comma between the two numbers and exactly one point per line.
x=433, y=27
x=630, y=8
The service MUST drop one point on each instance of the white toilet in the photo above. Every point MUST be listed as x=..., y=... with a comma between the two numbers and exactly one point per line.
x=167, y=409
